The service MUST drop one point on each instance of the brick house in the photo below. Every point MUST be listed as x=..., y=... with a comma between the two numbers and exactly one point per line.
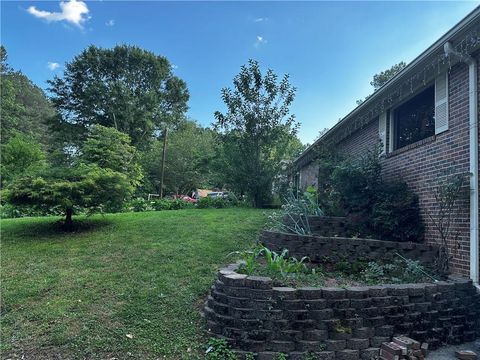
x=426, y=118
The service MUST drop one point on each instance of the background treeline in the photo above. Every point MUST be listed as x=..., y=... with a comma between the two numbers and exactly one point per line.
x=95, y=143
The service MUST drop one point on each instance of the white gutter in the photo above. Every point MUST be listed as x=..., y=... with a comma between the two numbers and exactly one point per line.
x=473, y=125
x=473, y=132
x=431, y=50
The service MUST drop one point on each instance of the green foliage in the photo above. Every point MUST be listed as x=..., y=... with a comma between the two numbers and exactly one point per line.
x=219, y=202
x=85, y=183
x=273, y=264
x=281, y=263
x=8, y=211
x=111, y=149
x=190, y=160
x=280, y=356
x=140, y=205
x=257, y=129
x=249, y=258
x=24, y=107
x=20, y=155
x=395, y=213
x=219, y=349
x=135, y=273
x=449, y=190
x=382, y=78
x=293, y=218
x=126, y=87
x=87, y=186
x=164, y=204
x=348, y=267
x=398, y=271
x=374, y=207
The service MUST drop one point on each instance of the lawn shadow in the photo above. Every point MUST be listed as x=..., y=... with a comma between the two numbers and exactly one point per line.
x=52, y=229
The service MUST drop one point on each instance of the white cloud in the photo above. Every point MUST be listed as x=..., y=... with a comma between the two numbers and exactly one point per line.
x=110, y=22
x=261, y=19
x=73, y=11
x=260, y=40
x=53, y=65
x=174, y=66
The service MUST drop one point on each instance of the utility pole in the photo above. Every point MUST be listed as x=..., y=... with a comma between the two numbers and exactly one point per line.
x=164, y=153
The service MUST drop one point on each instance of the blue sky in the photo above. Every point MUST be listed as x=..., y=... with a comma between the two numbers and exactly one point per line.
x=330, y=49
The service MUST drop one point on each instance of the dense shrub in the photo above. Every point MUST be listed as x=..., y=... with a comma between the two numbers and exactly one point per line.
x=161, y=204
x=140, y=204
x=395, y=213
x=8, y=211
x=398, y=271
x=134, y=205
x=178, y=204
x=373, y=206
x=219, y=202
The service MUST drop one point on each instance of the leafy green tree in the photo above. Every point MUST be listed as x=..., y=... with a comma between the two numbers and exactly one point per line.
x=190, y=160
x=101, y=178
x=36, y=112
x=110, y=149
x=9, y=107
x=20, y=155
x=127, y=88
x=256, y=129
x=24, y=106
x=382, y=78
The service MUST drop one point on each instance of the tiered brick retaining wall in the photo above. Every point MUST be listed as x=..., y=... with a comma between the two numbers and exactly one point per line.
x=319, y=248
x=335, y=323
x=421, y=165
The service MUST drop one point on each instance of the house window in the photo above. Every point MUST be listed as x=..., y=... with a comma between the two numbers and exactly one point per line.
x=415, y=119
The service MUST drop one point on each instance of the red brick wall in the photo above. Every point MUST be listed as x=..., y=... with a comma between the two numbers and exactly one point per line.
x=427, y=162
x=422, y=166
x=360, y=141
x=309, y=175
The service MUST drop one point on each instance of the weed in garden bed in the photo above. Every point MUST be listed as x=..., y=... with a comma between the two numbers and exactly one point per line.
x=289, y=271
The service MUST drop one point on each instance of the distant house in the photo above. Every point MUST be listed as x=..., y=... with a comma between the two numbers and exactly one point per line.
x=426, y=117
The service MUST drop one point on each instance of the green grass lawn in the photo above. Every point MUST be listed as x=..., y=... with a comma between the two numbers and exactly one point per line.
x=145, y=275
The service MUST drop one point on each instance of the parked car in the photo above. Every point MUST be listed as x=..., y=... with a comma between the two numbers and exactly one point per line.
x=185, y=198
x=217, y=194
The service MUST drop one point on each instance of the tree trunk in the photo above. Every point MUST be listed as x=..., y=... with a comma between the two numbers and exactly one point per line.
x=164, y=154
x=68, y=218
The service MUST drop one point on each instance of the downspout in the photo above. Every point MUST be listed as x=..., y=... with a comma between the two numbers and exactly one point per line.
x=473, y=125
x=473, y=132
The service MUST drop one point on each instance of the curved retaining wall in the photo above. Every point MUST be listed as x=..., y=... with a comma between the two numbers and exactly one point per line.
x=335, y=323
x=319, y=248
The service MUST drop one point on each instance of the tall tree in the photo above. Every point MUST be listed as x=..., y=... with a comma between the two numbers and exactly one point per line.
x=381, y=78
x=128, y=88
x=189, y=162
x=24, y=106
x=10, y=109
x=20, y=155
x=256, y=129
x=37, y=109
